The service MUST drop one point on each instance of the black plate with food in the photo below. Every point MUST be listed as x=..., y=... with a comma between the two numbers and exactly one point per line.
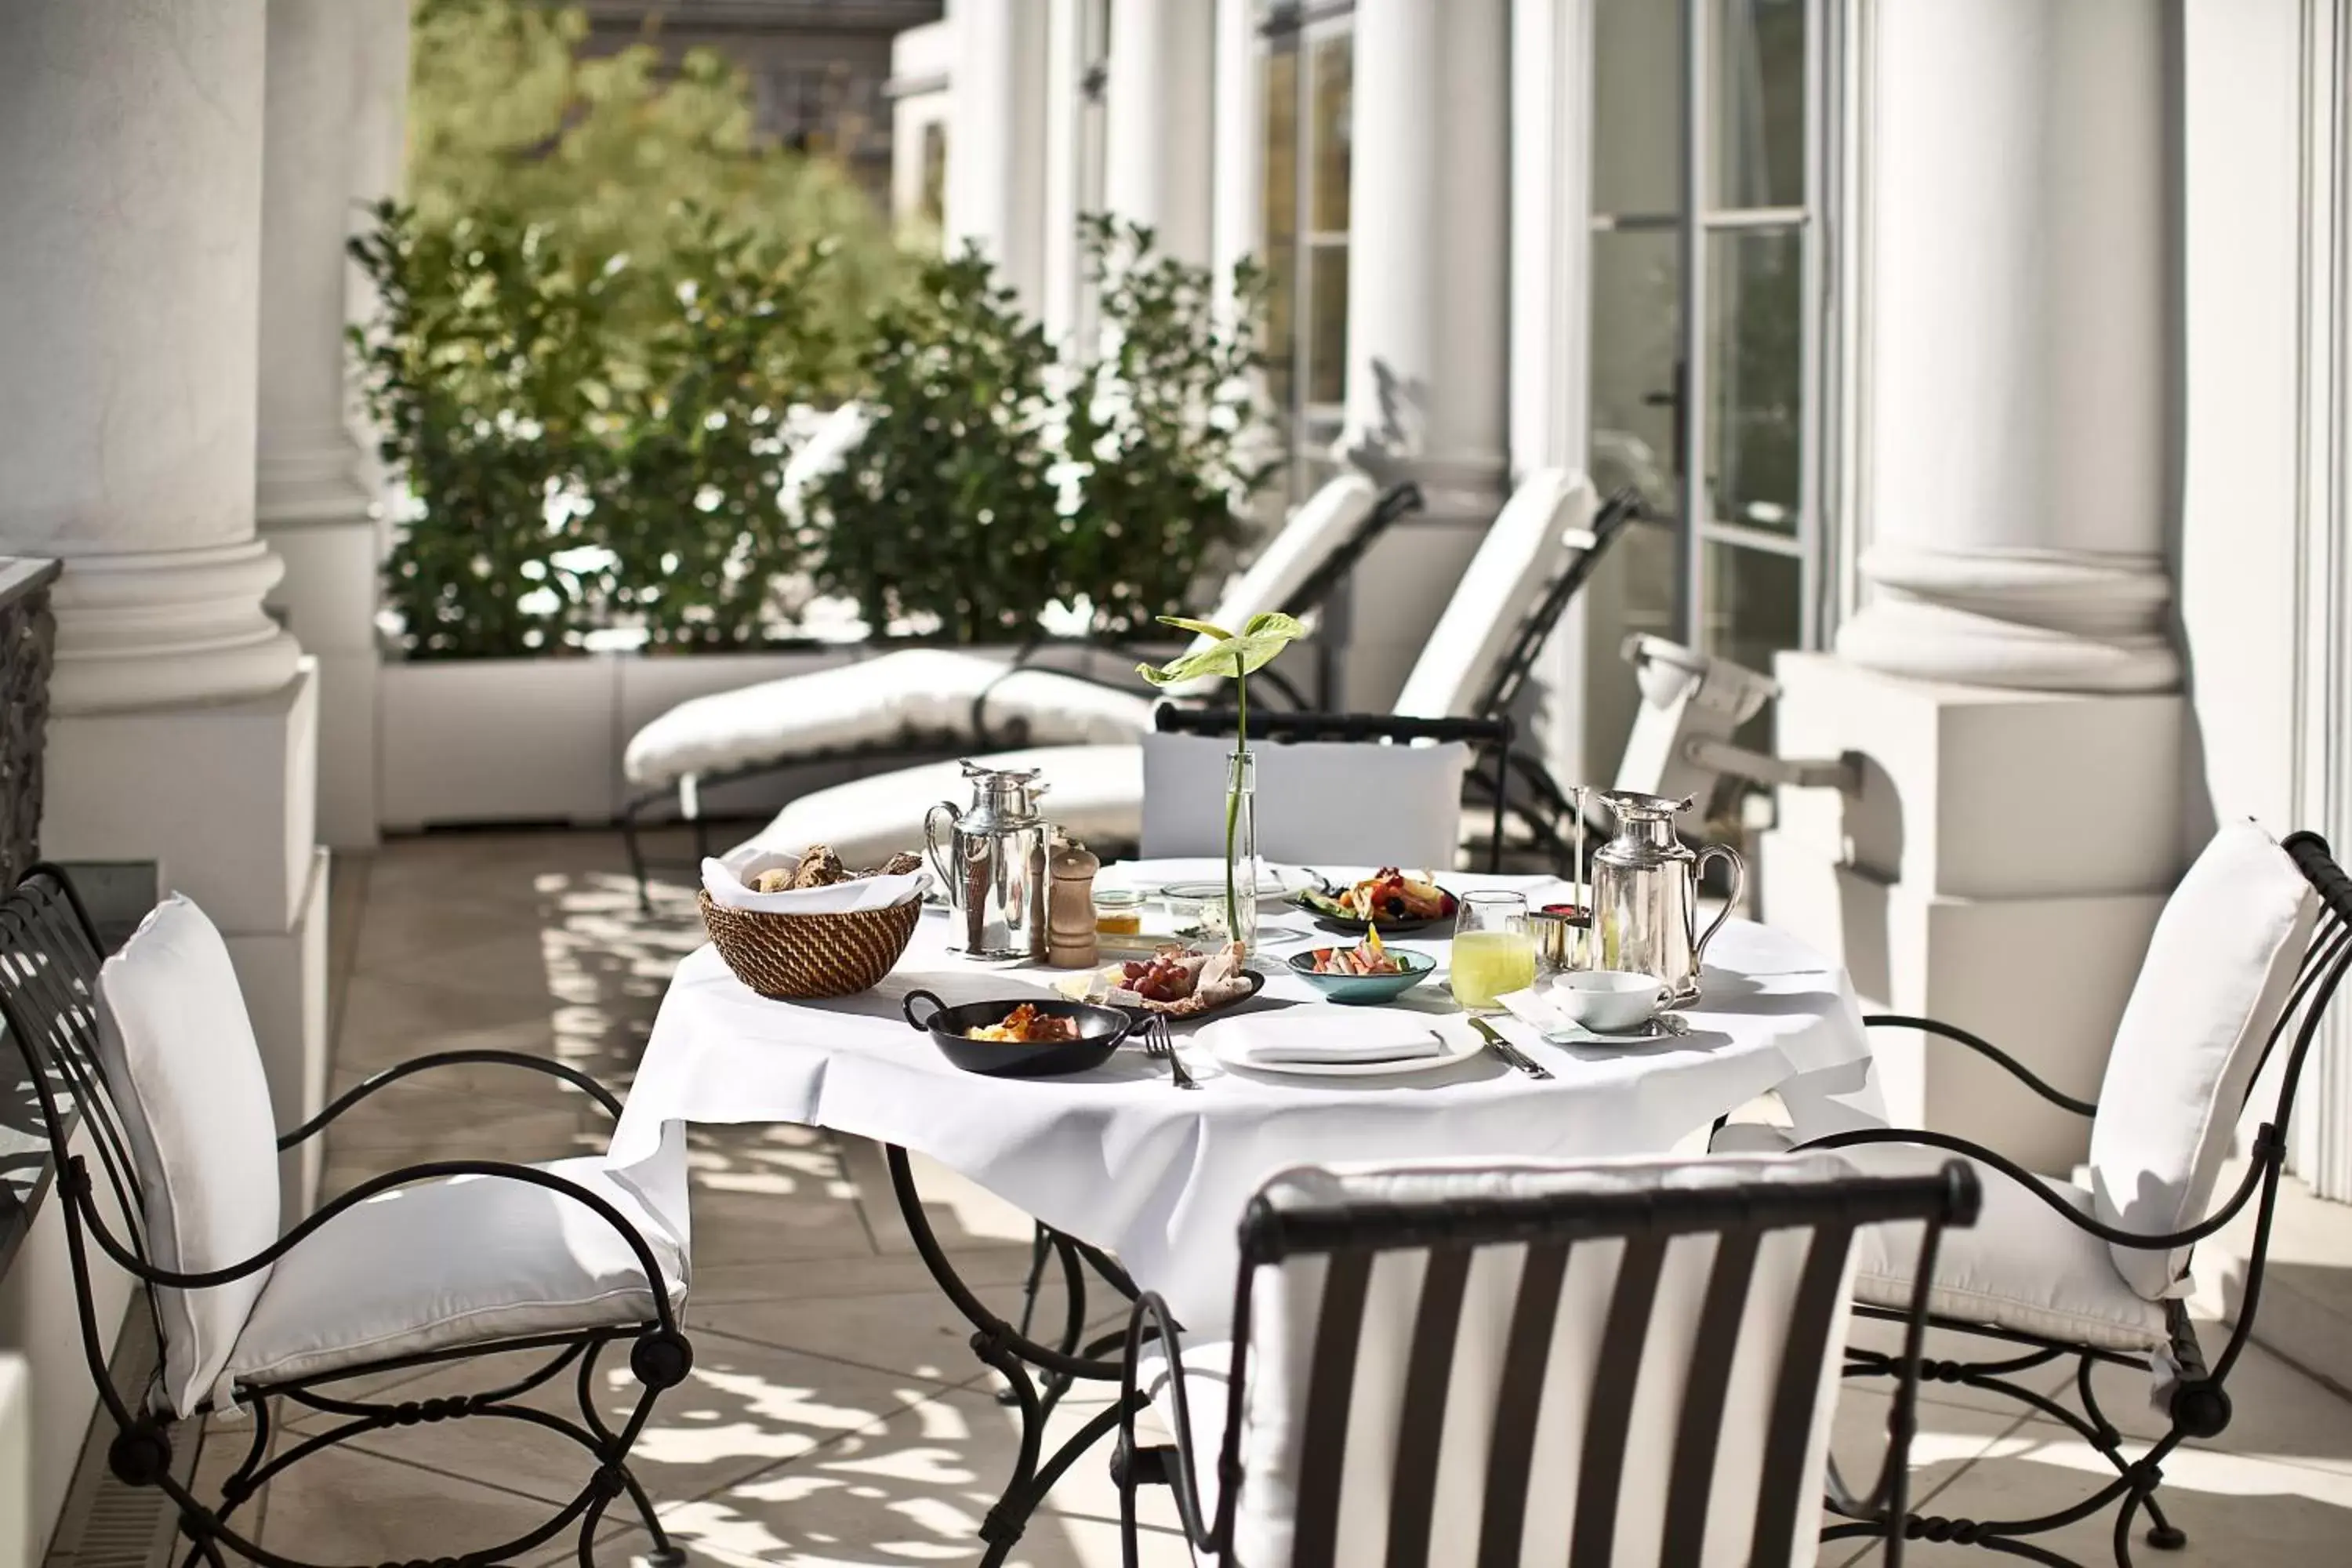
x=1391, y=900
x=1035, y=1036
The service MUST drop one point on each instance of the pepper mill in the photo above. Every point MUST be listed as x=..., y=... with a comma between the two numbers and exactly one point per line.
x=1070, y=911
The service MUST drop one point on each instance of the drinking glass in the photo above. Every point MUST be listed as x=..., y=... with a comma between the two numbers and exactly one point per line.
x=1493, y=951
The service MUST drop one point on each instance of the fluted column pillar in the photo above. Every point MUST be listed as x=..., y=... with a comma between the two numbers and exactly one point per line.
x=2019, y=367
x=337, y=81
x=2009, y=682
x=996, y=138
x=1428, y=266
x=185, y=718
x=1157, y=104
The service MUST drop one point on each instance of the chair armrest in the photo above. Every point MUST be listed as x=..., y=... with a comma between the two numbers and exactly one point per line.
x=78, y=1181
x=1986, y=1049
x=1149, y=1317
x=391, y=1075
x=1323, y=726
x=2267, y=1144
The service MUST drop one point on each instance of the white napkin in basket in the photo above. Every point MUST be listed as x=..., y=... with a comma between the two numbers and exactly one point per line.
x=1295, y=1036
x=727, y=881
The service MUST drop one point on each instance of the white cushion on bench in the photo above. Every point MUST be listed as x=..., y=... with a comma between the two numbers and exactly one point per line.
x=1094, y=793
x=2018, y=1267
x=465, y=1260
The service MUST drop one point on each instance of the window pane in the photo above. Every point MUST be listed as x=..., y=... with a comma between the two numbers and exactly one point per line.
x=1326, y=341
x=1334, y=91
x=1636, y=345
x=1758, y=159
x=1637, y=106
x=1755, y=361
x=1281, y=307
x=1280, y=101
x=1754, y=604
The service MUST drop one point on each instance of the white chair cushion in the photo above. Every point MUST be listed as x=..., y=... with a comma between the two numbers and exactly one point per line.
x=1299, y=548
x=911, y=691
x=177, y=1049
x=1208, y=1392
x=465, y=1260
x=1547, y=520
x=1094, y=792
x=1317, y=802
x=2217, y=972
x=2019, y=1267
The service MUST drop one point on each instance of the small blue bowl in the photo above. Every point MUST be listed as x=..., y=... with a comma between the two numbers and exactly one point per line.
x=1360, y=989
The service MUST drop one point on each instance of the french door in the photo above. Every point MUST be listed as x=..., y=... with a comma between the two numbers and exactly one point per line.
x=1709, y=283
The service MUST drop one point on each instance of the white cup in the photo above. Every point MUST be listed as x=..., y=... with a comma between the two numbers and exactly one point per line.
x=1608, y=1001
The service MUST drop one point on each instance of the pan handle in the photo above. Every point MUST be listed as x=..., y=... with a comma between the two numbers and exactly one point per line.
x=938, y=1007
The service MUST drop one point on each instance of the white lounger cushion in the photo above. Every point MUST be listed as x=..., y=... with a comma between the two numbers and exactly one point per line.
x=2211, y=990
x=931, y=690
x=1539, y=529
x=922, y=690
x=465, y=1260
x=2019, y=1267
x=1094, y=793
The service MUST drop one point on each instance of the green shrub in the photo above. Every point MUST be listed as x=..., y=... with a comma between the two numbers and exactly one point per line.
x=944, y=512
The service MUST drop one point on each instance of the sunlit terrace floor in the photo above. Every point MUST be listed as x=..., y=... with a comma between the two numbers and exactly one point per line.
x=834, y=1415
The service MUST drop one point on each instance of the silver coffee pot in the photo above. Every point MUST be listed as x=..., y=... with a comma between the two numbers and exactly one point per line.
x=991, y=858
x=1645, y=895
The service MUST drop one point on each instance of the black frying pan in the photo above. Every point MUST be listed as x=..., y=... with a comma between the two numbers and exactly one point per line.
x=1100, y=1029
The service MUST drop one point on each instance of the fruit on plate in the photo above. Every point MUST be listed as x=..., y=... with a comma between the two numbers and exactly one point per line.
x=1174, y=982
x=1367, y=957
x=1388, y=895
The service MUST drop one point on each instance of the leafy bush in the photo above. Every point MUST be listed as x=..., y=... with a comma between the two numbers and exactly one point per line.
x=945, y=512
x=1163, y=428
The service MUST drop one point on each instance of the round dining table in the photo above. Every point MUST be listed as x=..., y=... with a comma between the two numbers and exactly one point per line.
x=1141, y=1183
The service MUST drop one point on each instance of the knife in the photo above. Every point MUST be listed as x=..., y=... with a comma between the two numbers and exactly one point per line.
x=1507, y=1051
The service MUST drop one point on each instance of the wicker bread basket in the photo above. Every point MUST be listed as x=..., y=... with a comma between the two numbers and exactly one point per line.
x=799, y=956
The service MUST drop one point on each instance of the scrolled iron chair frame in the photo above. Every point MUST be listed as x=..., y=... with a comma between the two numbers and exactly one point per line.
x=1740, y=1215
x=2198, y=1405
x=49, y=958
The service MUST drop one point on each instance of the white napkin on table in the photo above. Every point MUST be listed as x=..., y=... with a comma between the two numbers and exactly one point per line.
x=1320, y=1038
x=728, y=883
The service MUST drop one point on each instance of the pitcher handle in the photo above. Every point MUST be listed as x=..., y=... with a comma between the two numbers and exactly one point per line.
x=937, y=852
x=1738, y=886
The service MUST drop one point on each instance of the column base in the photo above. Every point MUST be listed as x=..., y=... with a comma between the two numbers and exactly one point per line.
x=152, y=628
x=2045, y=979
x=2040, y=620
x=2000, y=868
x=283, y=977
x=328, y=595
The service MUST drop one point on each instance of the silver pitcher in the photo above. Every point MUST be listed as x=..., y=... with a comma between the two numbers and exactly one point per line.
x=991, y=858
x=1645, y=895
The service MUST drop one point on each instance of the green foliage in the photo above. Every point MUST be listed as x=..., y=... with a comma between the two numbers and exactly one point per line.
x=945, y=512
x=1164, y=428
x=687, y=501
x=483, y=373
x=506, y=116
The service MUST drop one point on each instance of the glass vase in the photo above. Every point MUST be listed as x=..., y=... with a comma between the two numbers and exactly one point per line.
x=1237, y=911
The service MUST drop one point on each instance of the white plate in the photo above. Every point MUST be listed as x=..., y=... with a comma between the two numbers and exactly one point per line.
x=1275, y=884
x=1457, y=1052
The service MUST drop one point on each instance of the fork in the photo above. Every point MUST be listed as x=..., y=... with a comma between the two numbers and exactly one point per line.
x=1159, y=1042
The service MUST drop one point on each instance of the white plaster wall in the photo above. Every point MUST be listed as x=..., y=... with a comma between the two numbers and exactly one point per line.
x=2238, y=538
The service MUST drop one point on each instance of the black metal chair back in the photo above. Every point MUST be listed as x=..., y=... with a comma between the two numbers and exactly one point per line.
x=1600, y=1364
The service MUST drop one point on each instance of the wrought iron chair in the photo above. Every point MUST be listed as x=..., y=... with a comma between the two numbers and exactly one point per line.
x=2248, y=954
x=1619, y=1363
x=51, y=1001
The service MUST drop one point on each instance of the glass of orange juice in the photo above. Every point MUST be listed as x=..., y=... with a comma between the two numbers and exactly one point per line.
x=1493, y=951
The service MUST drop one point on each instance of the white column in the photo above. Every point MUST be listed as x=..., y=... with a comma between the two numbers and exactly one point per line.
x=1237, y=145
x=185, y=719
x=1064, y=195
x=1160, y=98
x=996, y=138
x=1429, y=241
x=2018, y=360
x=2009, y=682
x=325, y=158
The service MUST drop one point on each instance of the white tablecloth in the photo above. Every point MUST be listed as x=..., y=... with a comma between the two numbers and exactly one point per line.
x=1120, y=1158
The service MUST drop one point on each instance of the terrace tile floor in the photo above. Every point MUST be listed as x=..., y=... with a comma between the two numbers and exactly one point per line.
x=834, y=1415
